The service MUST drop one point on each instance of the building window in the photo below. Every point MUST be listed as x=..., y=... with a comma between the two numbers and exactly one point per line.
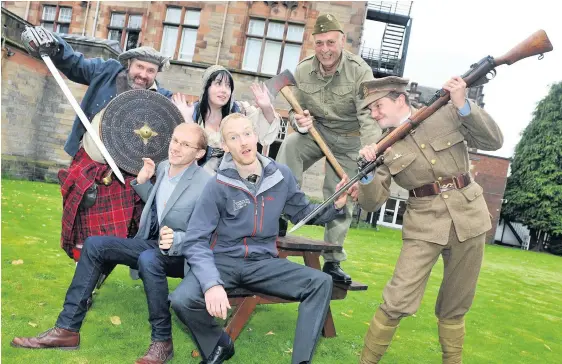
x=278, y=45
x=180, y=33
x=392, y=213
x=283, y=130
x=56, y=18
x=125, y=29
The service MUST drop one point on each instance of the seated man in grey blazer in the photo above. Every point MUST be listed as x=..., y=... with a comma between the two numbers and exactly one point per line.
x=153, y=251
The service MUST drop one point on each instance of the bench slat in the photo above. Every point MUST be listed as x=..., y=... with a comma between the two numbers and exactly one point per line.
x=291, y=242
x=354, y=286
x=243, y=292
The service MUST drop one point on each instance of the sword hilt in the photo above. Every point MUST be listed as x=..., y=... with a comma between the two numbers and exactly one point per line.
x=107, y=179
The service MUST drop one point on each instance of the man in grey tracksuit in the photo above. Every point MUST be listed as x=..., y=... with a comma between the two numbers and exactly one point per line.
x=231, y=242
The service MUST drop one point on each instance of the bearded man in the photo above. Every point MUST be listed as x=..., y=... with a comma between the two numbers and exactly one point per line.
x=95, y=203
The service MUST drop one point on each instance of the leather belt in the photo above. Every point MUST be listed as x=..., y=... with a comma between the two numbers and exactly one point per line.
x=353, y=133
x=446, y=184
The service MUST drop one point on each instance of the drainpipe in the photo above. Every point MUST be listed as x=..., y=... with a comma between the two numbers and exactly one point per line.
x=27, y=10
x=222, y=33
x=405, y=47
x=145, y=23
x=85, y=19
x=96, y=19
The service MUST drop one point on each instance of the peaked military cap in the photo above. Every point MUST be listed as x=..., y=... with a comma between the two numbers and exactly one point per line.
x=378, y=88
x=327, y=23
x=147, y=54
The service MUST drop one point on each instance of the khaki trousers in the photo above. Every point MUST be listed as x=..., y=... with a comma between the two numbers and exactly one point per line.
x=299, y=152
x=462, y=261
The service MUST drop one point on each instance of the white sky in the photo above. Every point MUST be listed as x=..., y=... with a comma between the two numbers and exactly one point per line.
x=448, y=36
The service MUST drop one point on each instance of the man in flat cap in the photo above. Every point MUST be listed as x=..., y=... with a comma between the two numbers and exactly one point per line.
x=94, y=203
x=328, y=91
x=446, y=213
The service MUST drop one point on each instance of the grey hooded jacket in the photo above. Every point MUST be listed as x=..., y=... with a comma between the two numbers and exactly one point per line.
x=229, y=220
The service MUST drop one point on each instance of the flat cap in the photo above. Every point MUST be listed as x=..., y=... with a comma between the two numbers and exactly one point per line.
x=378, y=88
x=327, y=23
x=147, y=54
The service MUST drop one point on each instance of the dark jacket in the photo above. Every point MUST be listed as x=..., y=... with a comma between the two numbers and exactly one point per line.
x=99, y=75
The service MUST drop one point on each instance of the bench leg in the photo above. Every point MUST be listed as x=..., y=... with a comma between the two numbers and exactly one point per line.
x=329, y=329
x=312, y=259
x=240, y=315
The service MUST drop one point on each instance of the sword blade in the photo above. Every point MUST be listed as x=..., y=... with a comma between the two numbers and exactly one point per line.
x=330, y=200
x=82, y=117
x=367, y=168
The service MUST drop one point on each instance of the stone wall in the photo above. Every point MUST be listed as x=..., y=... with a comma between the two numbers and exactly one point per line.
x=184, y=77
x=36, y=119
x=36, y=116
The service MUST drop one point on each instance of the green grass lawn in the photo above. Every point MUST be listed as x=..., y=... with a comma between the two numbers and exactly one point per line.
x=516, y=316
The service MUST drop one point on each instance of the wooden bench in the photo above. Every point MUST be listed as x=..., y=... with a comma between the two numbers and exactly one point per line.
x=246, y=301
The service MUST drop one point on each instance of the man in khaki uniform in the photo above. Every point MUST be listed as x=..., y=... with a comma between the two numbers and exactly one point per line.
x=328, y=91
x=446, y=213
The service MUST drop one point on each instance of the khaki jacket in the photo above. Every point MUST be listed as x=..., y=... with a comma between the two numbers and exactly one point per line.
x=437, y=149
x=335, y=101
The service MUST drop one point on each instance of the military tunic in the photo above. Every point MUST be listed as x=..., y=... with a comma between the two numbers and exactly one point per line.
x=452, y=224
x=335, y=103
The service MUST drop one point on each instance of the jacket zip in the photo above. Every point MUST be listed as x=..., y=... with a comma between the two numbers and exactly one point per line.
x=255, y=213
x=246, y=248
x=262, y=211
x=214, y=241
x=255, y=217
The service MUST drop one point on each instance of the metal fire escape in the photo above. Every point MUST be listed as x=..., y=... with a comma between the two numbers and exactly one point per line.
x=390, y=58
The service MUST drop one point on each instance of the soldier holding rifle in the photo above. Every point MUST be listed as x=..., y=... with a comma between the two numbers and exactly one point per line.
x=446, y=213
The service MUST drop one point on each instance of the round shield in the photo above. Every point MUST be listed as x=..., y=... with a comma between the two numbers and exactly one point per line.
x=138, y=124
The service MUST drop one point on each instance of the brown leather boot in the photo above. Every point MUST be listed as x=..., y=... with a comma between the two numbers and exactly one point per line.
x=159, y=352
x=55, y=338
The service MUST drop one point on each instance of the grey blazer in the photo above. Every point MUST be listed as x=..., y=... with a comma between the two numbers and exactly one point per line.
x=179, y=207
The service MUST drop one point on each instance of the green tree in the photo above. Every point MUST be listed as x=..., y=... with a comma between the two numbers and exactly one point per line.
x=534, y=188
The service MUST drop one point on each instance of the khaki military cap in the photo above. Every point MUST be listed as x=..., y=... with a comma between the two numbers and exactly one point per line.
x=378, y=88
x=327, y=23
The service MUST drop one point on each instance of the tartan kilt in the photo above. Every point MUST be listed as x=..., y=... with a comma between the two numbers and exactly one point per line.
x=117, y=209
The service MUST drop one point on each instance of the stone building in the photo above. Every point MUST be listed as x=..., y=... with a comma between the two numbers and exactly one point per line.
x=254, y=40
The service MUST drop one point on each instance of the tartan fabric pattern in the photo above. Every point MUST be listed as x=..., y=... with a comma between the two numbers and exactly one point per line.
x=117, y=209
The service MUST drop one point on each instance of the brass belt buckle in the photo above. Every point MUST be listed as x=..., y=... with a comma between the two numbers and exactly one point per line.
x=456, y=182
x=446, y=187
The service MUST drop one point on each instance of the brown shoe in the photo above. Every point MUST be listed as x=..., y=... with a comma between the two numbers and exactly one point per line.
x=55, y=338
x=159, y=352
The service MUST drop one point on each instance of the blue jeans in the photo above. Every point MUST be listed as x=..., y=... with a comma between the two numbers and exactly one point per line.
x=98, y=255
x=153, y=269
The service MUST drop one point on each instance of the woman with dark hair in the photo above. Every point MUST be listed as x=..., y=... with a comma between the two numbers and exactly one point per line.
x=217, y=101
